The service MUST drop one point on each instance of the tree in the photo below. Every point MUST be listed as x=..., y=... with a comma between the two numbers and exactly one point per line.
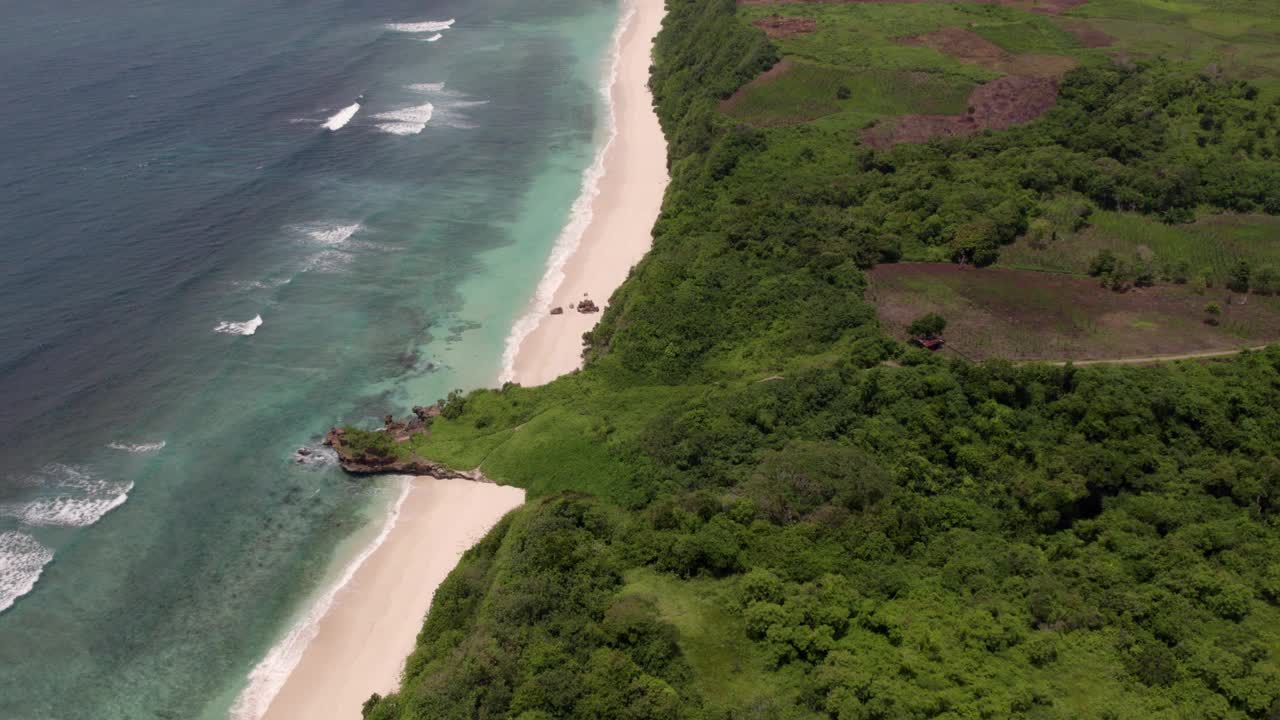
x=1212, y=311
x=931, y=324
x=1103, y=263
x=1239, y=276
x=1040, y=232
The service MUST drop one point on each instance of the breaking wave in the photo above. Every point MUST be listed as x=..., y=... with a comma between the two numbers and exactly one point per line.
x=75, y=499
x=430, y=26
x=330, y=234
x=137, y=447
x=406, y=121
x=342, y=117
x=248, y=327
x=22, y=559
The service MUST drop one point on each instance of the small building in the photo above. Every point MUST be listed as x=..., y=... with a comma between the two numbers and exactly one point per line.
x=932, y=343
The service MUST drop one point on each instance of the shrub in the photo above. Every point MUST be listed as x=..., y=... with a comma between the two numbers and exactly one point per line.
x=930, y=324
x=1239, y=276
x=1212, y=313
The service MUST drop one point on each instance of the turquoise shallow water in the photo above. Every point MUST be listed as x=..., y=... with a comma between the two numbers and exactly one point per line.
x=171, y=180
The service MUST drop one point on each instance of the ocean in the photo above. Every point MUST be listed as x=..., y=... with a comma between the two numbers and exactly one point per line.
x=225, y=228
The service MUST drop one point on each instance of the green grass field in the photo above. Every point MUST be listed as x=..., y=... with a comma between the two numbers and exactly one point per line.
x=863, y=35
x=807, y=92
x=1211, y=245
x=1235, y=37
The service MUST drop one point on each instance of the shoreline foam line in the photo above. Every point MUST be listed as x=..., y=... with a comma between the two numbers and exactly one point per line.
x=269, y=676
x=580, y=213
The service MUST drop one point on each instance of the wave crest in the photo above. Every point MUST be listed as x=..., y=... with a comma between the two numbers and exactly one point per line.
x=340, y=119
x=137, y=447
x=22, y=559
x=421, y=27
x=248, y=327
x=406, y=121
x=75, y=498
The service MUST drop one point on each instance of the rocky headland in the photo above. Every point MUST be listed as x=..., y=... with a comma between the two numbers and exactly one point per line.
x=388, y=450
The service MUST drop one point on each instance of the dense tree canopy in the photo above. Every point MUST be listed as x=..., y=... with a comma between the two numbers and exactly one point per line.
x=853, y=538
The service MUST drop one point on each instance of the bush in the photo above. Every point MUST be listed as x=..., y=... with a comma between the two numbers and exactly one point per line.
x=1103, y=263
x=1239, y=276
x=926, y=325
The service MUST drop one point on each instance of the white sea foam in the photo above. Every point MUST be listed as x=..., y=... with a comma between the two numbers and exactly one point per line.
x=426, y=87
x=342, y=117
x=406, y=121
x=76, y=498
x=66, y=511
x=260, y=284
x=433, y=38
x=330, y=234
x=269, y=675
x=430, y=26
x=248, y=327
x=137, y=447
x=327, y=261
x=579, y=215
x=320, y=455
x=22, y=559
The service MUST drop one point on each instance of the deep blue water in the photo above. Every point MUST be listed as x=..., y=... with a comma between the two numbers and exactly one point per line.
x=166, y=178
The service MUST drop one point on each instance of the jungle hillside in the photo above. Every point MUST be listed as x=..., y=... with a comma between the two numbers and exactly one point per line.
x=759, y=501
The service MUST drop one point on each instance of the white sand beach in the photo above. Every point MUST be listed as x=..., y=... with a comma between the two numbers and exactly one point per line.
x=622, y=214
x=362, y=639
x=361, y=642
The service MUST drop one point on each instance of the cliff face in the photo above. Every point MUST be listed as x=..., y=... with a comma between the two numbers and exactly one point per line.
x=380, y=458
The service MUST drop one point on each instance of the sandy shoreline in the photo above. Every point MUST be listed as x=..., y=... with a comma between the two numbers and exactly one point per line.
x=622, y=214
x=362, y=640
x=368, y=627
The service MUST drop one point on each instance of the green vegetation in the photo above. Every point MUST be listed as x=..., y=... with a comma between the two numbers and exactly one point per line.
x=740, y=510
x=806, y=92
x=927, y=324
x=1208, y=248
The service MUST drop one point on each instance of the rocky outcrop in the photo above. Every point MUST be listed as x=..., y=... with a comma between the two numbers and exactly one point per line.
x=376, y=460
x=557, y=311
x=587, y=306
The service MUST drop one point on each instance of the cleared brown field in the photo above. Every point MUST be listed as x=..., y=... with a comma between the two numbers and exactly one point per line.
x=1025, y=315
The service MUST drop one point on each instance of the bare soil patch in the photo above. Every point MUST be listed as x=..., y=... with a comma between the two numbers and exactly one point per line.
x=970, y=47
x=1025, y=315
x=776, y=26
x=769, y=75
x=999, y=104
x=961, y=44
x=1085, y=33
